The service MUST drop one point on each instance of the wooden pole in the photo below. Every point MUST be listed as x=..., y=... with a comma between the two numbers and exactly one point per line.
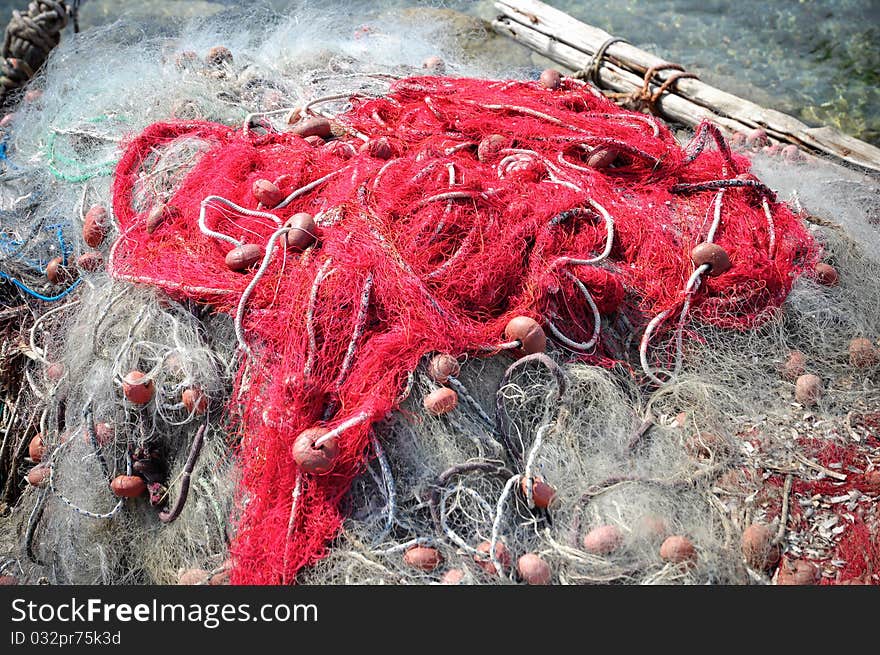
x=572, y=43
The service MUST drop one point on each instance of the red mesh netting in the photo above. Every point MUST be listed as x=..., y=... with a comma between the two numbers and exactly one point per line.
x=442, y=244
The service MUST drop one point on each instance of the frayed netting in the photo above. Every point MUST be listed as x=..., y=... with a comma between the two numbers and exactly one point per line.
x=536, y=338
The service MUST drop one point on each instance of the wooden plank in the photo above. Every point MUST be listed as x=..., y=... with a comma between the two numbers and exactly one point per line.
x=612, y=77
x=567, y=31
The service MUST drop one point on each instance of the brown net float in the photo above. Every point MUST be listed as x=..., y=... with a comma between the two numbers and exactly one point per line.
x=441, y=401
x=303, y=232
x=314, y=458
x=128, y=486
x=528, y=333
x=244, y=257
x=138, y=388
x=442, y=367
x=713, y=256
x=95, y=226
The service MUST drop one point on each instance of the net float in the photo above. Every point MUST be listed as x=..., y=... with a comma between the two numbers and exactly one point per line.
x=218, y=56
x=502, y=554
x=533, y=570
x=314, y=140
x=55, y=371
x=57, y=272
x=530, y=335
x=293, y=117
x=797, y=572
x=808, y=389
x=243, y=257
x=33, y=95
x=267, y=193
x=187, y=59
x=341, y=149
x=95, y=226
x=713, y=255
x=603, y=540
x=826, y=274
x=793, y=155
x=738, y=140
x=795, y=365
x=38, y=476
x=543, y=494
x=652, y=527
x=315, y=126
x=550, y=78
x=311, y=459
x=442, y=367
x=434, y=65
x=157, y=216
x=771, y=150
x=677, y=550
x=7, y=119
x=452, y=576
x=490, y=147
x=193, y=577
x=380, y=148
x=222, y=576
x=758, y=548
x=757, y=138
x=195, y=400
x=525, y=169
x=863, y=353
x=128, y=486
x=138, y=389
x=602, y=158
x=423, y=558
x=440, y=401
x=104, y=433
x=303, y=232
x=90, y=262
x=37, y=448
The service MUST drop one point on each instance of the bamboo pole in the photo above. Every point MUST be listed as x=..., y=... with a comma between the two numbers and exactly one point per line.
x=572, y=43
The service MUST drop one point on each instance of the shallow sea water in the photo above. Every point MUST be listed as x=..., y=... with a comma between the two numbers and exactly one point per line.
x=816, y=59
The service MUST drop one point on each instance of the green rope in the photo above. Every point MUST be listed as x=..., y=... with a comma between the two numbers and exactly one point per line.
x=69, y=169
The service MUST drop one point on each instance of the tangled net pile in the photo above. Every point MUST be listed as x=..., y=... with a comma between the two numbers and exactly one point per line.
x=449, y=208
x=431, y=310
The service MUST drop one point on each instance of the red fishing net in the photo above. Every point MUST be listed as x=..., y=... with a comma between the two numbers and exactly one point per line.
x=443, y=210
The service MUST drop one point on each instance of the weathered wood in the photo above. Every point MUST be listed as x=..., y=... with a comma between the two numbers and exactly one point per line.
x=613, y=77
x=564, y=34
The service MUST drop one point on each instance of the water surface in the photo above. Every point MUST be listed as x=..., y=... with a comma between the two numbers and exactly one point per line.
x=816, y=59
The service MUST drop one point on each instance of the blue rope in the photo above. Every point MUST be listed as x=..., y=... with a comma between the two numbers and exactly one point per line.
x=40, y=296
x=8, y=245
x=4, y=152
x=64, y=250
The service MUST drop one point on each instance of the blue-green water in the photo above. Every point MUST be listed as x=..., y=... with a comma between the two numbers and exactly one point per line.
x=816, y=59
